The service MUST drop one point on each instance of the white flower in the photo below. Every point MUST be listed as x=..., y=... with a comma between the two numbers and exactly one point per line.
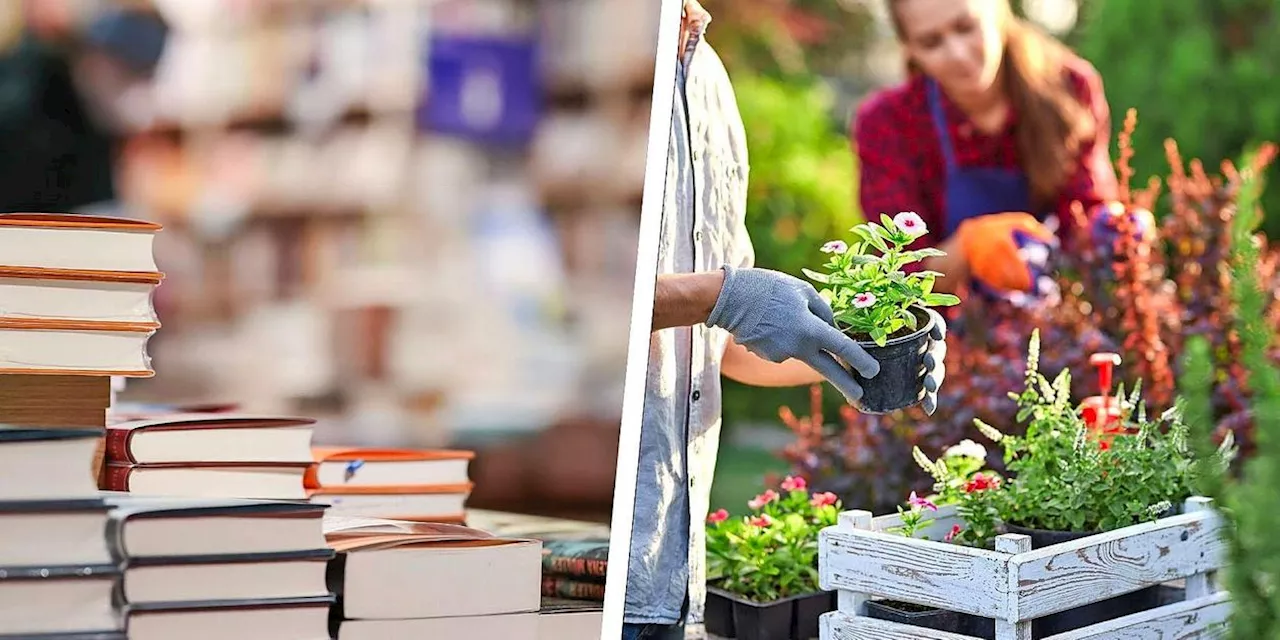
x=910, y=223
x=863, y=300
x=967, y=449
x=835, y=246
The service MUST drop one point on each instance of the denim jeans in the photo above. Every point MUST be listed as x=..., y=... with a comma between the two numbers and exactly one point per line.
x=650, y=631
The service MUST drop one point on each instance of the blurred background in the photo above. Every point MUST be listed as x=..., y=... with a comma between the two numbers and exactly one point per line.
x=1201, y=73
x=414, y=220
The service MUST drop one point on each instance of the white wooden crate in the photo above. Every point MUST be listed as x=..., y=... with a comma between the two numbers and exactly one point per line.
x=1013, y=584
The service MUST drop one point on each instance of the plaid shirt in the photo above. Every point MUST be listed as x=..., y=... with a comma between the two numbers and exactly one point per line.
x=901, y=163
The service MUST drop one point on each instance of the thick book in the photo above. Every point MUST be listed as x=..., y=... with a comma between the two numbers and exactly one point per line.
x=58, y=599
x=274, y=619
x=69, y=294
x=54, y=533
x=251, y=576
x=572, y=588
x=418, y=503
x=79, y=242
x=48, y=464
x=267, y=481
x=54, y=400
x=356, y=467
x=509, y=626
x=208, y=438
x=39, y=346
x=155, y=528
x=388, y=569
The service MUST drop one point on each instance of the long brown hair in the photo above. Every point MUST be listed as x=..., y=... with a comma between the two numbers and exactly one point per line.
x=1053, y=124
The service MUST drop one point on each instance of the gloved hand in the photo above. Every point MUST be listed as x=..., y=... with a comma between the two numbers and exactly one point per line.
x=1105, y=224
x=1006, y=251
x=935, y=368
x=778, y=317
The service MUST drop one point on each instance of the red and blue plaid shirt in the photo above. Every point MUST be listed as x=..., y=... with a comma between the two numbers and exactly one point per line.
x=901, y=166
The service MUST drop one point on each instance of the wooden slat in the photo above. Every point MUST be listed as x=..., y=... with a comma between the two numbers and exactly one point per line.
x=1069, y=575
x=841, y=626
x=1202, y=619
x=946, y=576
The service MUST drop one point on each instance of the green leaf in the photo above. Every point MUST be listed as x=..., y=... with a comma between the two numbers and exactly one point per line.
x=940, y=300
x=817, y=277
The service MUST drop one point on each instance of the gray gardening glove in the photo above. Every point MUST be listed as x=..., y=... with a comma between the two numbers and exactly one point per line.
x=935, y=368
x=779, y=317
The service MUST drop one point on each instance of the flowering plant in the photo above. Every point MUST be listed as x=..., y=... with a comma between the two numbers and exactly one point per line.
x=870, y=293
x=960, y=479
x=1070, y=477
x=772, y=552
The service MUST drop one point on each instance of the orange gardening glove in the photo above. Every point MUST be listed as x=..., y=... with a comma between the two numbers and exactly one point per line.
x=1005, y=251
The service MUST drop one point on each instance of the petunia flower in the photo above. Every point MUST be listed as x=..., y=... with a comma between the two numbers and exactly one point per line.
x=951, y=535
x=762, y=520
x=824, y=499
x=923, y=503
x=835, y=246
x=910, y=223
x=864, y=299
x=967, y=449
x=763, y=499
x=794, y=483
x=718, y=516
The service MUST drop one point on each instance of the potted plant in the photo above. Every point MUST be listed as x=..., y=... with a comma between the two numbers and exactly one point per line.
x=1070, y=479
x=886, y=309
x=762, y=568
x=962, y=483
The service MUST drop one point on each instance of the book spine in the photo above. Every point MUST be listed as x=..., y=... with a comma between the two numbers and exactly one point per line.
x=115, y=477
x=566, y=587
x=118, y=446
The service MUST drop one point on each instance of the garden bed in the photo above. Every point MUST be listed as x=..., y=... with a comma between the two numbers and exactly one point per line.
x=1014, y=585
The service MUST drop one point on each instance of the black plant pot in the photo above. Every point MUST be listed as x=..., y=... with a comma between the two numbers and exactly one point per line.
x=1072, y=619
x=899, y=384
x=763, y=621
x=936, y=619
x=718, y=614
x=795, y=618
x=809, y=610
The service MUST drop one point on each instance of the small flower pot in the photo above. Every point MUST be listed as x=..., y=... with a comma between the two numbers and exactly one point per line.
x=763, y=621
x=915, y=615
x=1072, y=619
x=718, y=614
x=809, y=610
x=899, y=384
x=728, y=615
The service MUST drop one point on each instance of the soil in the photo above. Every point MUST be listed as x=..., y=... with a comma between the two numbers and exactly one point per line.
x=921, y=317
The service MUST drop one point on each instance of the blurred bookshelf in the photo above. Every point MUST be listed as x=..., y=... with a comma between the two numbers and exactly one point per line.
x=414, y=220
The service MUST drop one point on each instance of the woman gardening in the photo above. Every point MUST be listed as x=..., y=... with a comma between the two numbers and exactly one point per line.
x=996, y=133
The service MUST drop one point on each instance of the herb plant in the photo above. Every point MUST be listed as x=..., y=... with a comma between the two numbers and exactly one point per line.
x=869, y=291
x=1065, y=478
x=772, y=552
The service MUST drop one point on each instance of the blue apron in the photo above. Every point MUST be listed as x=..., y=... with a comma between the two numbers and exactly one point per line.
x=976, y=191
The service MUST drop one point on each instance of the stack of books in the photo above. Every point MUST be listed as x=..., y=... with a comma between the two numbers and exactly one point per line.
x=574, y=569
x=210, y=455
x=57, y=573
x=406, y=580
x=75, y=310
x=243, y=569
x=397, y=484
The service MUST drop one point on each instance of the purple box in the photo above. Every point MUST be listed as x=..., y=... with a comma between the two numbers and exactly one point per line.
x=482, y=88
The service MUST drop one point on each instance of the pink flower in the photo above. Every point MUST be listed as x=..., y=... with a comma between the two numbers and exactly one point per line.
x=824, y=499
x=910, y=223
x=923, y=503
x=762, y=520
x=763, y=499
x=718, y=516
x=864, y=299
x=835, y=246
x=951, y=535
x=793, y=483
